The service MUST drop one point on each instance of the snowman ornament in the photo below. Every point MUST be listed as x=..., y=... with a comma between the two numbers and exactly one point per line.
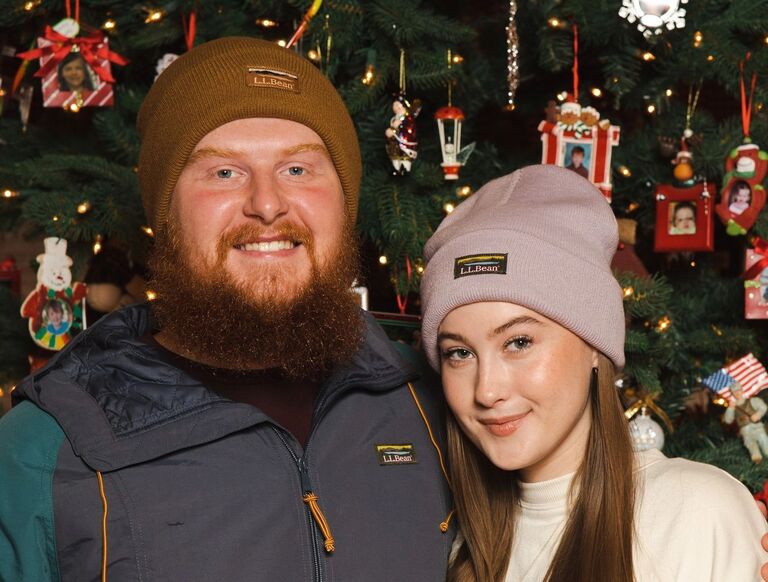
x=55, y=308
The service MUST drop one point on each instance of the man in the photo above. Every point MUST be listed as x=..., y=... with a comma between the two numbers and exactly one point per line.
x=252, y=424
x=577, y=162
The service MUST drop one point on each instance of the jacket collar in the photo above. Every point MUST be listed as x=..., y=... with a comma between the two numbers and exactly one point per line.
x=121, y=401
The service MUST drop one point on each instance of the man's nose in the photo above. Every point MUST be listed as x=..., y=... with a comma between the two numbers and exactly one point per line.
x=265, y=200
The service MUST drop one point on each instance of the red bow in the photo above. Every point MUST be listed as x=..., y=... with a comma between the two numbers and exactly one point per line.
x=761, y=248
x=92, y=48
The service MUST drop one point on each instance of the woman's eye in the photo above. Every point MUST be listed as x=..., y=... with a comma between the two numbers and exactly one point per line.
x=519, y=344
x=457, y=354
x=296, y=171
x=224, y=174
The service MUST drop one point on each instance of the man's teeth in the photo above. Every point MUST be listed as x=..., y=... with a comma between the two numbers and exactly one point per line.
x=265, y=247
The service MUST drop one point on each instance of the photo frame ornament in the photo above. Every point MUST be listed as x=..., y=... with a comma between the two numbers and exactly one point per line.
x=578, y=131
x=684, y=218
x=56, y=307
x=756, y=280
x=743, y=195
x=56, y=49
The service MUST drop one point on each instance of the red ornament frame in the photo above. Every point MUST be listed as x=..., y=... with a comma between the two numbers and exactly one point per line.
x=756, y=289
x=667, y=197
x=599, y=140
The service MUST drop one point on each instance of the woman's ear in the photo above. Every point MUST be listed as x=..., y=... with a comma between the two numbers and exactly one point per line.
x=595, y=359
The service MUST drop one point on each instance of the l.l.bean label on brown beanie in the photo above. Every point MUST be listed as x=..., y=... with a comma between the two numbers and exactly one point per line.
x=487, y=264
x=273, y=78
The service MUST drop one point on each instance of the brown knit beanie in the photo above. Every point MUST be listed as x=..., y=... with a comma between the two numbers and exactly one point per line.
x=229, y=79
x=543, y=238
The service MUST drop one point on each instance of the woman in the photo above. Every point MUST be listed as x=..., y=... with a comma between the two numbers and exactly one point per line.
x=73, y=74
x=524, y=320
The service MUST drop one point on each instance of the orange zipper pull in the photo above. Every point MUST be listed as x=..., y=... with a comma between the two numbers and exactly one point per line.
x=311, y=499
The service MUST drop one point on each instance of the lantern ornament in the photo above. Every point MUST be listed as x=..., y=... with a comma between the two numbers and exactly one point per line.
x=652, y=16
x=449, y=122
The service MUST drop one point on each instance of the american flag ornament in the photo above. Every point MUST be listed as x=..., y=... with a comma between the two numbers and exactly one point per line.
x=748, y=372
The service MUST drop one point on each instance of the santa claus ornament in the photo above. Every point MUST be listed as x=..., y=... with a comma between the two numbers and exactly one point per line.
x=55, y=307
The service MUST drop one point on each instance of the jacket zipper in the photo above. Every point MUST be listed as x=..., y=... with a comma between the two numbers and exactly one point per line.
x=306, y=487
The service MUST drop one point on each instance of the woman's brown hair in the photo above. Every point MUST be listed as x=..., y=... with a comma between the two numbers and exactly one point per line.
x=596, y=545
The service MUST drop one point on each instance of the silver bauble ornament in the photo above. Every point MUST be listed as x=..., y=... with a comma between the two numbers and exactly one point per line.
x=645, y=432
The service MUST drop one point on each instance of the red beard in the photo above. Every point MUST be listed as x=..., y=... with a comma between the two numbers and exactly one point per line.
x=209, y=317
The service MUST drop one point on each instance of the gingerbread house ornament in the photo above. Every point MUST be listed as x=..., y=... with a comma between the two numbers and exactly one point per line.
x=577, y=139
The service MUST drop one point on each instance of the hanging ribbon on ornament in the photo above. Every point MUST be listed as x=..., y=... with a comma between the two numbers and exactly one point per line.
x=91, y=47
x=68, y=9
x=576, y=62
x=761, y=248
x=647, y=401
x=746, y=104
x=402, y=301
x=308, y=16
x=190, y=28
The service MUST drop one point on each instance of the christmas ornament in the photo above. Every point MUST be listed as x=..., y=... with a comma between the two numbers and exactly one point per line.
x=653, y=16
x=449, y=123
x=645, y=432
x=746, y=372
x=190, y=30
x=513, y=52
x=164, y=62
x=10, y=275
x=626, y=260
x=75, y=70
x=578, y=139
x=683, y=162
x=402, y=143
x=743, y=196
x=55, y=306
x=756, y=281
x=684, y=218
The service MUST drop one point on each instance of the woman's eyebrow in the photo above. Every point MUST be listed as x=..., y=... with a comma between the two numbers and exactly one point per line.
x=513, y=322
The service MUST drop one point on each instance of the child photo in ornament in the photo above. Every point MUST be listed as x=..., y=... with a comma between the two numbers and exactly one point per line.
x=546, y=483
x=683, y=218
x=577, y=158
x=74, y=74
x=739, y=197
x=57, y=317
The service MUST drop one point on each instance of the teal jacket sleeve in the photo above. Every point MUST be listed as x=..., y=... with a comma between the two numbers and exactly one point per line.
x=29, y=446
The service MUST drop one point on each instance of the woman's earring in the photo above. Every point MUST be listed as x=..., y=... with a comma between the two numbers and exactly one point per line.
x=593, y=382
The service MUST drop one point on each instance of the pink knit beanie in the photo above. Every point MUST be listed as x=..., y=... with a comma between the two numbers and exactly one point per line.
x=541, y=237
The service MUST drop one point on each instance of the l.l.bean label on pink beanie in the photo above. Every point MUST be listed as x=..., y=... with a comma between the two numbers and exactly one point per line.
x=487, y=264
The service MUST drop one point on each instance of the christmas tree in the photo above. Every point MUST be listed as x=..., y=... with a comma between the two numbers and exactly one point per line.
x=673, y=88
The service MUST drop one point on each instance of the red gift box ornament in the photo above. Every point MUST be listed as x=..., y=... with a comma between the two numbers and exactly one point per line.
x=756, y=280
x=56, y=51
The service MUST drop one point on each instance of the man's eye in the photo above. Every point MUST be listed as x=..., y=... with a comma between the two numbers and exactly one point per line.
x=224, y=174
x=296, y=171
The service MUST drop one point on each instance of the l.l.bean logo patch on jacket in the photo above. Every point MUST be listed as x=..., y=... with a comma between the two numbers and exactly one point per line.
x=403, y=454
